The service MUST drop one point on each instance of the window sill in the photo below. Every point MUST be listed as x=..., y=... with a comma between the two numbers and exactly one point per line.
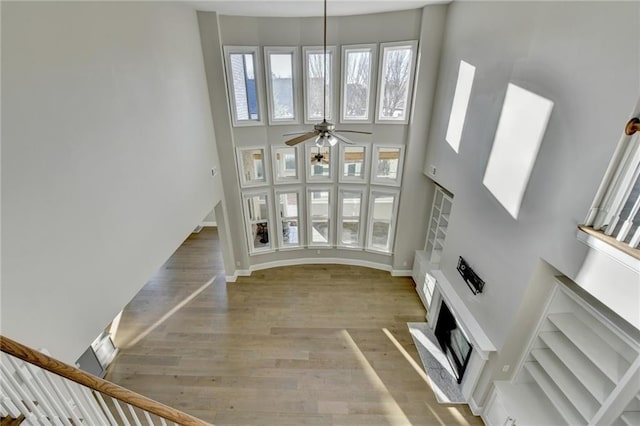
x=621, y=252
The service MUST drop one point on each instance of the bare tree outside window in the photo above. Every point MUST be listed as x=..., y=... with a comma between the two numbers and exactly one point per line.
x=396, y=76
x=315, y=62
x=357, y=84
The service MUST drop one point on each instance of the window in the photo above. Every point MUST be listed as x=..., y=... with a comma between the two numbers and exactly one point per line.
x=353, y=163
x=387, y=165
x=319, y=203
x=285, y=164
x=357, y=68
x=396, y=81
x=289, y=228
x=318, y=162
x=282, y=76
x=383, y=207
x=243, y=71
x=251, y=166
x=350, y=217
x=314, y=69
x=258, y=222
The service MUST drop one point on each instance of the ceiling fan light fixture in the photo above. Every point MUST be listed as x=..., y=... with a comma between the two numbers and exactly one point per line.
x=332, y=139
x=320, y=141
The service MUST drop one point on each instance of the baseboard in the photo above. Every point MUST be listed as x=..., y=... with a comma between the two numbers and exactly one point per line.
x=321, y=261
x=231, y=278
x=401, y=272
x=475, y=408
x=205, y=224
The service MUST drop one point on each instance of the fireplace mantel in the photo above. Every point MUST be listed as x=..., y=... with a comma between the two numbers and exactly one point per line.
x=476, y=334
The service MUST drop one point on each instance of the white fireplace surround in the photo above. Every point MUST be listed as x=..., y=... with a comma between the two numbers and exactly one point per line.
x=482, y=345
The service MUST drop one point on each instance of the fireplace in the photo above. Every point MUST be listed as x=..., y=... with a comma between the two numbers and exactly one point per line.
x=453, y=341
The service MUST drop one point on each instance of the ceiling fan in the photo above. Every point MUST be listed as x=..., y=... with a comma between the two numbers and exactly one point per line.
x=324, y=132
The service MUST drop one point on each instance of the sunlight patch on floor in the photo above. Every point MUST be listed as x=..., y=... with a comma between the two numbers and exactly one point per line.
x=145, y=333
x=392, y=409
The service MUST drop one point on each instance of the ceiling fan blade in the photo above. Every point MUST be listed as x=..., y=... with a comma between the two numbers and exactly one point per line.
x=301, y=138
x=295, y=133
x=343, y=139
x=353, y=131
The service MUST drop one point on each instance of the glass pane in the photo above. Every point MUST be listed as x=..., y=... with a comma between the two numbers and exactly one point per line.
x=281, y=65
x=288, y=207
x=353, y=162
x=380, y=235
x=252, y=165
x=320, y=231
x=381, y=226
x=320, y=163
x=357, y=84
x=244, y=86
x=350, y=230
x=258, y=209
x=396, y=72
x=260, y=232
x=315, y=79
x=350, y=233
x=388, y=162
x=285, y=160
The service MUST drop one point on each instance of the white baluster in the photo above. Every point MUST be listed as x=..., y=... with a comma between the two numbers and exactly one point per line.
x=33, y=410
x=69, y=386
x=36, y=393
x=60, y=417
x=628, y=223
x=70, y=413
x=635, y=240
x=93, y=407
x=163, y=422
x=134, y=416
x=105, y=409
x=124, y=419
x=148, y=417
x=9, y=408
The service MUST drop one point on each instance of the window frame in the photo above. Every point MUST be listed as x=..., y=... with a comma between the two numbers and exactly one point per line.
x=250, y=184
x=331, y=50
x=301, y=218
x=331, y=216
x=257, y=71
x=373, y=47
x=339, y=220
x=413, y=44
x=395, y=193
x=274, y=165
x=246, y=195
x=365, y=164
x=295, y=53
x=309, y=147
x=374, y=166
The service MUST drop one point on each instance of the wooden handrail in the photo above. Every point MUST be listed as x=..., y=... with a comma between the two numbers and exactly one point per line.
x=105, y=387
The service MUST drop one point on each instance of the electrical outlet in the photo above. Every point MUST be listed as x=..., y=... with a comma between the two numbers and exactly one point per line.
x=317, y=251
x=405, y=263
x=432, y=170
x=505, y=368
x=214, y=171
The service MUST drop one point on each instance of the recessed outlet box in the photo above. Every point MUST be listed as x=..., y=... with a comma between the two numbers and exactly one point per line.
x=432, y=170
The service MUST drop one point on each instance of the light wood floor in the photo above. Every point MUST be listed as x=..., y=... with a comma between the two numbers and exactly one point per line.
x=316, y=344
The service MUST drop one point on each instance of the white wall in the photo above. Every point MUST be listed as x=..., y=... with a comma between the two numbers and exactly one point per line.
x=584, y=57
x=107, y=150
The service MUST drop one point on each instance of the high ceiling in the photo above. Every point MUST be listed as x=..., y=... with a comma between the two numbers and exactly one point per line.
x=300, y=8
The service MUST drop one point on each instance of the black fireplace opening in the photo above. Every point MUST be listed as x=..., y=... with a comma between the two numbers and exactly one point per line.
x=453, y=341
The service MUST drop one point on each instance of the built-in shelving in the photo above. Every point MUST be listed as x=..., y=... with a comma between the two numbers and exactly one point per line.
x=438, y=223
x=581, y=358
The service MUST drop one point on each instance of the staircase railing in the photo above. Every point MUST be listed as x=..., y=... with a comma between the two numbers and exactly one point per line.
x=49, y=392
